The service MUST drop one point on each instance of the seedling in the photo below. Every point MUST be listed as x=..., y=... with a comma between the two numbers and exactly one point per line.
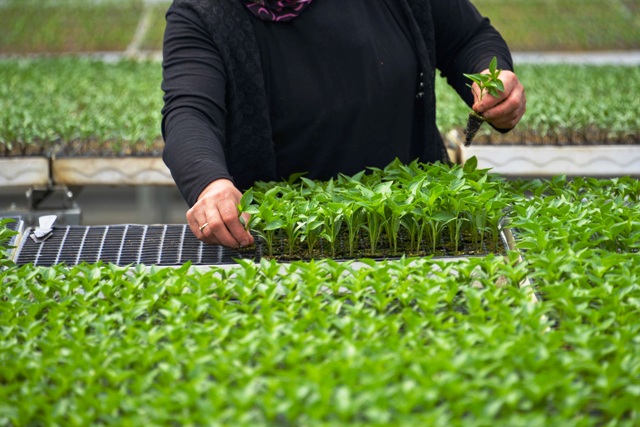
x=245, y=207
x=394, y=342
x=487, y=84
x=399, y=210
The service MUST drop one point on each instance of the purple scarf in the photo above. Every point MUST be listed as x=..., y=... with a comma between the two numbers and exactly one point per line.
x=276, y=10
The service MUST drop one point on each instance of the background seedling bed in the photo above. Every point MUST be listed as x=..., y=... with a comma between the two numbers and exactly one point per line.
x=82, y=148
x=89, y=107
x=535, y=25
x=562, y=137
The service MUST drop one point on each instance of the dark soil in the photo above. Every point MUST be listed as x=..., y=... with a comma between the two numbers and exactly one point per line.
x=83, y=148
x=531, y=137
x=474, y=122
x=95, y=148
x=19, y=149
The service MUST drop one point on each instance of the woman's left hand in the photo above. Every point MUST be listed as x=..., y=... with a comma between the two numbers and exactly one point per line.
x=507, y=110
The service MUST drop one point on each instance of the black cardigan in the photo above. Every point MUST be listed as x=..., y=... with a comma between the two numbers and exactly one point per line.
x=248, y=147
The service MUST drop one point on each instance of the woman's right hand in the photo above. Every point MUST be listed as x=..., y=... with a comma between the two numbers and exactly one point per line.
x=214, y=217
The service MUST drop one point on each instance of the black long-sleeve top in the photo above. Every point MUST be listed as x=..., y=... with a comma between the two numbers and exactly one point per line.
x=342, y=84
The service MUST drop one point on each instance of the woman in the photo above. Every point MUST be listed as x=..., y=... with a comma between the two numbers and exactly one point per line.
x=260, y=89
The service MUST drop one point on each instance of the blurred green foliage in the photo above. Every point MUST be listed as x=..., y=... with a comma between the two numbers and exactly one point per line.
x=109, y=25
x=565, y=25
x=67, y=26
x=78, y=105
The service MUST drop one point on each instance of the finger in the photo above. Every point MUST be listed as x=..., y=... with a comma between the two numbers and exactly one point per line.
x=506, y=120
x=504, y=111
x=508, y=113
x=488, y=102
x=229, y=214
x=245, y=218
x=475, y=90
x=193, y=223
x=217, y=208
x=217, y=230
x=196, y=220
x=510, y=83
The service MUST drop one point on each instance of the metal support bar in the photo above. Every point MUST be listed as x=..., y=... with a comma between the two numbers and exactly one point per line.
x=50, y=200
x=37, y=196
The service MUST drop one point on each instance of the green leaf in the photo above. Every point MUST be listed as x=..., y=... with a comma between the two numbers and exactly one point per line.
x=470, y=165
x=493, y=65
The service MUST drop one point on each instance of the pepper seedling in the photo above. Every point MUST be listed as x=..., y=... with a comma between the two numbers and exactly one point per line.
x=246, y=207
x=487, y=84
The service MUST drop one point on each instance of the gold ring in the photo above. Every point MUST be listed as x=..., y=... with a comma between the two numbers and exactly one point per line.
x=202, y=227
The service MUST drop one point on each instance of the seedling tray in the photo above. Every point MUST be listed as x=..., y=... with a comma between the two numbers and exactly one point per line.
x=169, y=245
x=126, y=244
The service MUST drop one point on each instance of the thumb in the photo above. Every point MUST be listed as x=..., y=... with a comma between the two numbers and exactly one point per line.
x=475, y=90
x=245, y=220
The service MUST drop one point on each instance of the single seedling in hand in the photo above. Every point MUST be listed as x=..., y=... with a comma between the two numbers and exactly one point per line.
x=487, y=84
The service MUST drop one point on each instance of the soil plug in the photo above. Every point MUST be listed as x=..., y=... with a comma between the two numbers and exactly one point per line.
x=487, y=83
x=474, y=122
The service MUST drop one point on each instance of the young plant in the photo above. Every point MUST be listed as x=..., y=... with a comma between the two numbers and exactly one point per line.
x=375, y=223
x=292, y=228
x=457, y=207
x=414, y=225
x=6, y=234
x=487, y=84
x=373, y=206
x=332, y=217
x=394, y=214
x=435, y=225
x=354, y=219
x=271, y=224
x=246, y=207
x=311, y=224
